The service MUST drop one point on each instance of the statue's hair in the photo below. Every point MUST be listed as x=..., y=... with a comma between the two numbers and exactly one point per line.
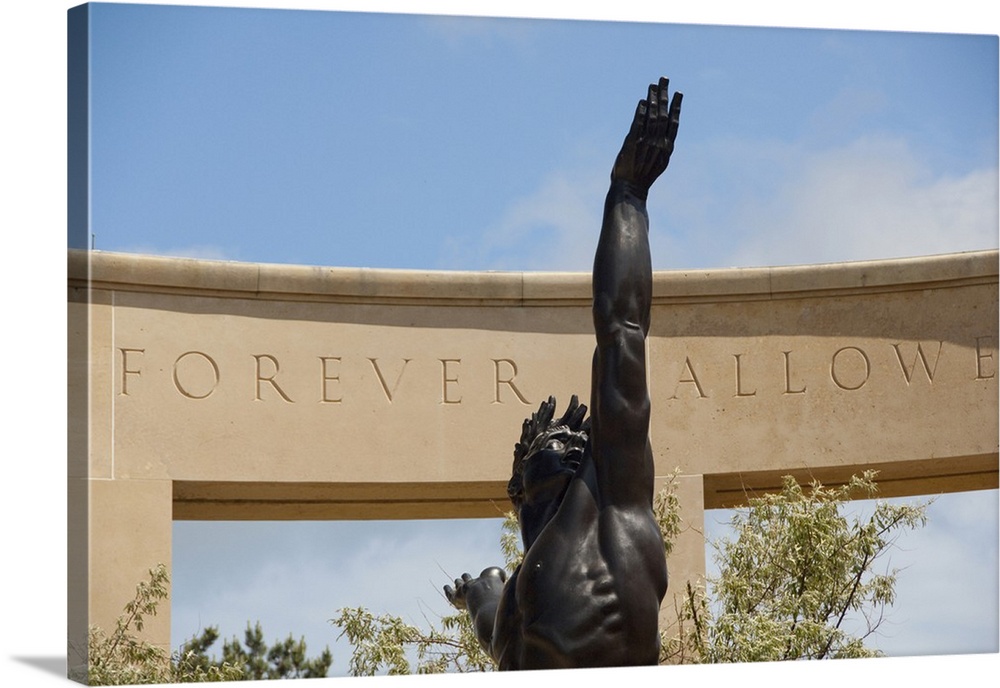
x=535, y=429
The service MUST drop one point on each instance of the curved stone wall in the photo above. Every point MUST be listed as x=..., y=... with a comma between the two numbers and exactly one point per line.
x=231, y=372
x=219, y=390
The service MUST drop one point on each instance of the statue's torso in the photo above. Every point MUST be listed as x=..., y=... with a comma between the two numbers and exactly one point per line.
x=589, y=588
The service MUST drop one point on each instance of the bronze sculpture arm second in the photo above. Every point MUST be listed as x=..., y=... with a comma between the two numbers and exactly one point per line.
x=588, y=590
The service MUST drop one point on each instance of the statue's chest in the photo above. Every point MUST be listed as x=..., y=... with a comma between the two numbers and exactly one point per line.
x=567, y=582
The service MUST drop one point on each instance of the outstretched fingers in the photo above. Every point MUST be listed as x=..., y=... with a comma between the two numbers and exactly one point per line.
x=459, y=584
x=649, y=144
x=654, y=129
x=456, y=595
x=660, y=111
x=638, y=121
x=652, y=110
x=663, y=98
x=674, y=116
x=546, y=411
x=662, y=130
x=575, y=413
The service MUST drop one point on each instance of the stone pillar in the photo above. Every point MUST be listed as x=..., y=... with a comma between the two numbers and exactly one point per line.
x=130, y=533
x=686, y=563
x=119, y=528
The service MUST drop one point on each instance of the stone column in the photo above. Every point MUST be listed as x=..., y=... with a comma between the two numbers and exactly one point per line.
x=686, y=563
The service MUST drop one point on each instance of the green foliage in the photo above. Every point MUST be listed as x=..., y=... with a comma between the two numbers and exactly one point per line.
x=254, y=659
x=795, y=582
x=122, y=658
x=381, y=643
x=798, y=580
x=510, y=537
x=667, y=510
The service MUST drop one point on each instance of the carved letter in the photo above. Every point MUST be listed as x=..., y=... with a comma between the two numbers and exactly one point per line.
x=509, y=381
x=788, y=376
x=739, y=381
x=270, y=379
x=908, y=374
x=125, y=371
x=385, y=388
x=177, y=381
x=980, y=357
x=445, y=399
x=694, y=379
x=833, y=368
x=326, y=377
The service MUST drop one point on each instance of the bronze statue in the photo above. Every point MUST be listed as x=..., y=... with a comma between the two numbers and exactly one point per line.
x=588, y=591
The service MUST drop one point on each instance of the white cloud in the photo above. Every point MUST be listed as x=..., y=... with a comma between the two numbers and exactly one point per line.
x=757, y=203
x=554, y=228
x=199, y=251
x=872, y=199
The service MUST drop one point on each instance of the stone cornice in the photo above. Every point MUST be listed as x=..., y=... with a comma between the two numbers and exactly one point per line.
x=145, y=273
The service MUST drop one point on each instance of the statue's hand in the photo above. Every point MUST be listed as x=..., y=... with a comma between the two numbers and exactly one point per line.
x=489, y=582
x=649, y=143
x=456, y=595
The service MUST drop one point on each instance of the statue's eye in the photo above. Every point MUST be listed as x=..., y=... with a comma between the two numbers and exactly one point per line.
x=554, y=444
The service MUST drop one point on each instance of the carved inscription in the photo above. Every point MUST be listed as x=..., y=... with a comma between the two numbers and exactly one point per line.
x=197, y=375
x=506, y=378
x=190, y=375
x=689, y=377
x=446, y=380
x=846, y=368
x=272, y=366
x=929, y=370
x=327, y=378
x=265, y=378
x=739, y=380
x=381, y=378
x=855, y=379
x=788, y=375
x=126, y=371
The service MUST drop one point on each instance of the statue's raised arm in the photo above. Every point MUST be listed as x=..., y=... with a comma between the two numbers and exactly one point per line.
x=622, y=294
x=588, y=590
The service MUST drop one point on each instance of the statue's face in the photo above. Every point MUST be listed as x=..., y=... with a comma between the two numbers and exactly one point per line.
x=554, y=459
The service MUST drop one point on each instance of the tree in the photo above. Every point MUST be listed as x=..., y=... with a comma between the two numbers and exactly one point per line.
x=380, y=642
x=123, y=658
x=254, y=659
x=795, y=581
x=798, y=580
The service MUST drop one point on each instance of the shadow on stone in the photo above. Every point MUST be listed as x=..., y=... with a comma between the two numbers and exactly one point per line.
x=49, y=664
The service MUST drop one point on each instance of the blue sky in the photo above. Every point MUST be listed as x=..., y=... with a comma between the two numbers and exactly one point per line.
x=463, y=143
x=447, y=143
x=432, y=142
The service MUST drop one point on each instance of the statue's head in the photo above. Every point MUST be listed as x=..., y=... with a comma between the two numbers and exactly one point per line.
x=547, y=456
